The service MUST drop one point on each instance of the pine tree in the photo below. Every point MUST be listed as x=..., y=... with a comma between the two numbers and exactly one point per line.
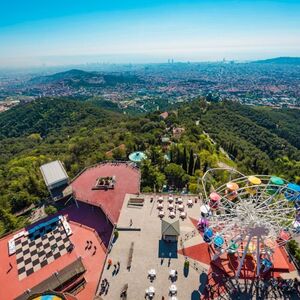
x=184, y=162
x=197, y=163
x=191, y=162
x=178, y=156
x=171, y=156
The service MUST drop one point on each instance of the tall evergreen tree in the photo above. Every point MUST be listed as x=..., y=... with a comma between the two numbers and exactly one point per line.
x=197, y=163
x=184, y=160
x=171, y=156
x=191, y=163
x=178, y=156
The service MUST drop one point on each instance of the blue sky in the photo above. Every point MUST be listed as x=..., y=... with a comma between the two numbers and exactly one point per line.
x=75, y=31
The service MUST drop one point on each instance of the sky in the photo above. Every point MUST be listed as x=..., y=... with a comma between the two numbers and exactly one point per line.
x=58, y=32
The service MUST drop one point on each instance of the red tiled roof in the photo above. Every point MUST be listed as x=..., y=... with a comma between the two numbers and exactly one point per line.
x=110, y=201
x=11, y=286
x=164, y=115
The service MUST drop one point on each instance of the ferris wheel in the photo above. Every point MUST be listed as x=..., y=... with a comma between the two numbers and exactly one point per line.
x=250, y=215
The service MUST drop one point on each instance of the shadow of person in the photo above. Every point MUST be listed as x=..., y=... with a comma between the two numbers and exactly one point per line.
x=195, y=295
x=203, y=279
x=186, y=272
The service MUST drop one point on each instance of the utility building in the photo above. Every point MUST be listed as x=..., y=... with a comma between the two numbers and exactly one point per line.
x=170, y=231
x=55, y=177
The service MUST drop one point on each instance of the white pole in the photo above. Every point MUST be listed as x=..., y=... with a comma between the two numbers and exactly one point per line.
x=243, y=257
x=257, y=258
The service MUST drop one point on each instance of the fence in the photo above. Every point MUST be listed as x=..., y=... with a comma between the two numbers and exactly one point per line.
x=112, y=162
x=106, y=256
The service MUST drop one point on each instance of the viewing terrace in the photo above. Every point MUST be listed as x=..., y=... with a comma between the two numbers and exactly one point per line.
x=124, y=178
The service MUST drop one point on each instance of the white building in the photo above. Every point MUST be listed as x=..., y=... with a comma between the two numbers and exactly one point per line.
x=55, y=177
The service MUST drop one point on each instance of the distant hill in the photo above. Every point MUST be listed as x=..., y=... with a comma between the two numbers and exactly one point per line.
x=280, y=61
x=61, y=76
x=77, y=78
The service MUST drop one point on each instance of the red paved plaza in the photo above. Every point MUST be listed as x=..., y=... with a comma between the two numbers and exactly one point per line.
x=110, y=201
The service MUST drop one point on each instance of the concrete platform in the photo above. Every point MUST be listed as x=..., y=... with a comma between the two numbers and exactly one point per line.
x=146, y=253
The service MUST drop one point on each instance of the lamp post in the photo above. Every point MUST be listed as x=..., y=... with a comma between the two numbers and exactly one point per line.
x=56, y=275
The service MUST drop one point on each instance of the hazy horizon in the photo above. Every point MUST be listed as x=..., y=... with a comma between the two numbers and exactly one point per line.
x=35, y=34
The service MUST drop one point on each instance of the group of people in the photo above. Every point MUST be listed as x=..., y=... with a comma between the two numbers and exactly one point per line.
x=283, y=285
x=89, y=245
x=104, y=286
x=116, y=267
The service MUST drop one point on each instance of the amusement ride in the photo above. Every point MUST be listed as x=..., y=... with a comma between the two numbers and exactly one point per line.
x=249, y=215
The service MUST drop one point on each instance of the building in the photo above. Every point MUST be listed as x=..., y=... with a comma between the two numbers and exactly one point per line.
x=52, y=255
x=170, y=231
x=55, y=177
x=177, y=132
x=164, y=115
x=73, y=272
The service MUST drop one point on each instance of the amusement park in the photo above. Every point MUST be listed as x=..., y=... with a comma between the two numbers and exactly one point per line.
x=228, y=241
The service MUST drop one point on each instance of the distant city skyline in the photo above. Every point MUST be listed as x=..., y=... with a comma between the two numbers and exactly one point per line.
x=33, y=33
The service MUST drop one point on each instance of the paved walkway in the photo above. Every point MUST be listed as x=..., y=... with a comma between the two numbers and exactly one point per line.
x=147, y=250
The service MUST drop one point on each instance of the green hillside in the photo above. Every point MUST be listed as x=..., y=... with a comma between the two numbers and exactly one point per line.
x=250, y=135
x=257, y=140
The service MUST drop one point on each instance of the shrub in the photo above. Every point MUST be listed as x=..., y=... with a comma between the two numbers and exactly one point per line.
x=186, y=264
x=50, y=210
x=116, y=234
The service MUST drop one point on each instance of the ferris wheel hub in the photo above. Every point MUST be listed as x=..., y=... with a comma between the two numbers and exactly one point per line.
x=258, y=231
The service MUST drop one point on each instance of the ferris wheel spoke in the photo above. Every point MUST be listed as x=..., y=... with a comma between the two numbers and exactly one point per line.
x=267, y=216
x=277, y=210
x=278, y=192
x=282, y=222
x=265, y=201
x=279, y=204
x=225, y=202
x=279, y=218
x=276, y=225
x=283, y=211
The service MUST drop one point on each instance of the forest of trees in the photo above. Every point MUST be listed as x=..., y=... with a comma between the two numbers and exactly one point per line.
x=257, y=140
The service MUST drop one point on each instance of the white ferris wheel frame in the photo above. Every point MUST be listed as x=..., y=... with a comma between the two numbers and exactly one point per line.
x=252, y=218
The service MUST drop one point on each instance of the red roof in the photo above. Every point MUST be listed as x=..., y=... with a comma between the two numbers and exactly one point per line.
x=11, y=286
x=111, y=201
x=164, y=115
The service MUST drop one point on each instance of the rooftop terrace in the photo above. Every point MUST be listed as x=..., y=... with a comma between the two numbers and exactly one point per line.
x=127, y=180
x=93, y=262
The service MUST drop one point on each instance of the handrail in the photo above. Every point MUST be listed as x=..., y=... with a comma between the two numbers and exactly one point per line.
x=105, y=259
x=292, y=258
x=129, y=163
